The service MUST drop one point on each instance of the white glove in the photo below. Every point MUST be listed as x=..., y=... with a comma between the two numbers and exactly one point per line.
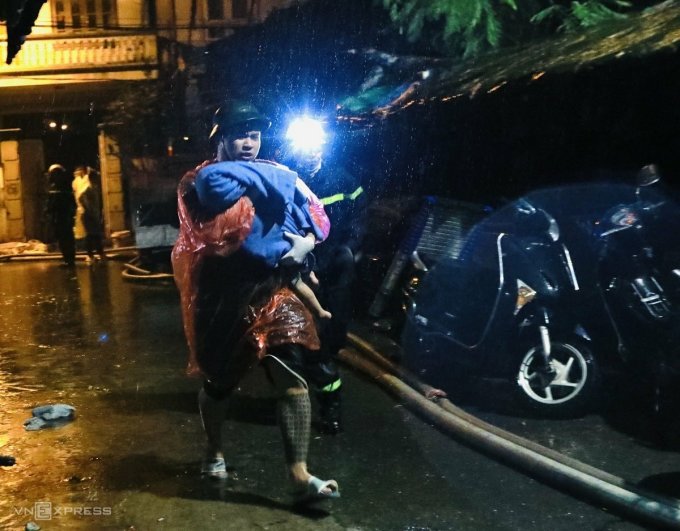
x=302, y=246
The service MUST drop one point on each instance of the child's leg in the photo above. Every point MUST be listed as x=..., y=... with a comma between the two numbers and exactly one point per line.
x=309, y=298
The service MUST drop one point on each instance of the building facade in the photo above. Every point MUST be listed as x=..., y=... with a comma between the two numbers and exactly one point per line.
x=81, y=56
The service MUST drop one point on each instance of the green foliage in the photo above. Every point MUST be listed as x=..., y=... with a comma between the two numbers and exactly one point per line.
x=577, y=15
x=463, y=26
x=469, y=27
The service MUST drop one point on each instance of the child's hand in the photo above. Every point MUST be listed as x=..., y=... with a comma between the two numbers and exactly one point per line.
x=313, y=278
x=302, y=245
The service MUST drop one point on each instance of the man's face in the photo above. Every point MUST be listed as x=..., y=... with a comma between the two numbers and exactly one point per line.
x=309, y=164
x=241, y=145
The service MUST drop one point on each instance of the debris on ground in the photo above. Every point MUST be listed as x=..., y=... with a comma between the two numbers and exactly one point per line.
x=50, y=416
x=31, y=246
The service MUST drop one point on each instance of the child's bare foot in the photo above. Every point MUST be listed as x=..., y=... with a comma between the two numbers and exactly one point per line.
x=325, y=314
x=313, y=278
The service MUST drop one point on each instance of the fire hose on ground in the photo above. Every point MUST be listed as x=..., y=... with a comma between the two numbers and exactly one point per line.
x=133, y=272
x=556, y=469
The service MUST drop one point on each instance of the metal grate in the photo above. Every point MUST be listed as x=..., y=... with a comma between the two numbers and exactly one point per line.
x=447, y=226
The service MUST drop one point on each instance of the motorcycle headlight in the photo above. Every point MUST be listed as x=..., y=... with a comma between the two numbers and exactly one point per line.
x=525, y=294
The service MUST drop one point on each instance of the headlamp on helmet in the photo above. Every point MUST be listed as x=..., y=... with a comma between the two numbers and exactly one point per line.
x=306, y=135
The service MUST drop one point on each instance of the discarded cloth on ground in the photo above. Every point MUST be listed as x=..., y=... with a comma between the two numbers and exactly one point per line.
x=50, y=416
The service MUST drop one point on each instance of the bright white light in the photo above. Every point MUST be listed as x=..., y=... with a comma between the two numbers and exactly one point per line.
x=52, y=124
x=64, y=127
x=306, y=134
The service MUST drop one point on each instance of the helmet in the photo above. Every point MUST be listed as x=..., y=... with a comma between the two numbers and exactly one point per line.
x=58, y=178
x=56, y=168
x=236, y=113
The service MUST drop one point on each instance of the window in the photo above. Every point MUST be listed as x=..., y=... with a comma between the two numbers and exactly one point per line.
x=75, y=15
x=91, y=14
x=59, y=16
x=108, y=14
x=215, y=10
x=239, y=8
x=83, y=14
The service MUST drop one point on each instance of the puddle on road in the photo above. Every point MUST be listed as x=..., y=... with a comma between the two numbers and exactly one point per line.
x=82, y=339
x=116, y=352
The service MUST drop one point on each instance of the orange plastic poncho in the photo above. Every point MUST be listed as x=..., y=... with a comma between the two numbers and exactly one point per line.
x=282, y=319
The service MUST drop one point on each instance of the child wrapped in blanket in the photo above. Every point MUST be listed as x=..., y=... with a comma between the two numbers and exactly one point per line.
x=268, y=184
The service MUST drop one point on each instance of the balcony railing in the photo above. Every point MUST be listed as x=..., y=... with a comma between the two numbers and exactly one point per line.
x=50, y=54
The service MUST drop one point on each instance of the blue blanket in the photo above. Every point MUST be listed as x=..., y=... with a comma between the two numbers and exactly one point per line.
x=279, y=205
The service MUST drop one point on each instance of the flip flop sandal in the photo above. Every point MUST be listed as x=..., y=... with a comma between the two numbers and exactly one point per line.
x=316, y=490
x=214, y=468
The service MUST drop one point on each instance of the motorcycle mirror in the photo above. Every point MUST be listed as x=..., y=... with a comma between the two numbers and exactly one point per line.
x=648, y=175
x=524, y=207
x=553, y=227
x=417, y=262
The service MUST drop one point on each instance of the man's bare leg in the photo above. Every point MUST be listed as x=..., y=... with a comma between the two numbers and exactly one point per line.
x=213, y=412
x=294, y=413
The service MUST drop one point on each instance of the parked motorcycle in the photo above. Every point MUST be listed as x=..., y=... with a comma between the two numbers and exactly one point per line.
x=550, y=290
x=435, y=230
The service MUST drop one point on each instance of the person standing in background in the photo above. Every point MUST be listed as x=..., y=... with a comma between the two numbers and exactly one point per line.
x=92, y=219
x=80, y=182
x=345, y=204
x=61, y=207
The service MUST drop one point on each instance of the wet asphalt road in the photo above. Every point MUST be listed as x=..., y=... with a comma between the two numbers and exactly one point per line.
x=115, y=351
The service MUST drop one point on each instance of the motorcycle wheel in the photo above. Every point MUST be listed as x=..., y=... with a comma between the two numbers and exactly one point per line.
x=568, y=390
